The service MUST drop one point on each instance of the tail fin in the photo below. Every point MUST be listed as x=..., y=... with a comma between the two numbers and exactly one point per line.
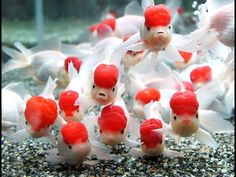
x=49, y=88
x=18, y=60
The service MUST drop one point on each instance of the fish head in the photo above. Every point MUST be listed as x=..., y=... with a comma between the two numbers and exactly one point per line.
x=184, y=118
x=131, y=58
x=112, y=125
x=104, y=87
x=40, y=114
x=147, y=95
x=201, y=75
x=153, y=143
x=157, y=30
x=73, y=142
x=68, y=110
x=76, y=63
x=102, y=95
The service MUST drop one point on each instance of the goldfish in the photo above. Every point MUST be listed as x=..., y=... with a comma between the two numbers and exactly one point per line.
x=216, y=25
x=68, y=97
x=186, y=118
x=74, y=145
x=132, y=20
x=40, y=114
x=13, y=96
x=37, y=61
x=152, y=143
x=155, y=34
x=114, y=124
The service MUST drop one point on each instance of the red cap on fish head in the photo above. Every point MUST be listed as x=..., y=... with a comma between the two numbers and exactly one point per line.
x=74, y=132
x=158, y=15
x=185, y=55
x=146, y=95
x=201, y=74
x=149, y=137
x=76, y=63
x=111, y=22
x=106, y=76
x=40, y=112
x=184, y=103
x=112, y=119
x=180, y=10
x=67, y=100
x=93, y=28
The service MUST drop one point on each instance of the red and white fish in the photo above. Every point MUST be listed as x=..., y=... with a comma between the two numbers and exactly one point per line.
x=68, y=97
x=40, y=114
x=187, y=116
x=114, y=124
x=155, y=33
x=121, y=27
x=75, y=146
x=217, y=24
x=152, y=143
x=37, y=62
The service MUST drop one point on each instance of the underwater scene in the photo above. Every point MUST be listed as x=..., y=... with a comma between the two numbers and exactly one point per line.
x=123, y=88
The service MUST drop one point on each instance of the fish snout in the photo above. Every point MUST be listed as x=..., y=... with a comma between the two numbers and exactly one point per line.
x=102, y=95
x=186, y=121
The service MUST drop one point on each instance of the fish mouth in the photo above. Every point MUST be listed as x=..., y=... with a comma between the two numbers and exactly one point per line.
x=160, y=32
x=102, y=95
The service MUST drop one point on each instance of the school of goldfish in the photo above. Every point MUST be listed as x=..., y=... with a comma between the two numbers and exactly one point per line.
x=180, y=86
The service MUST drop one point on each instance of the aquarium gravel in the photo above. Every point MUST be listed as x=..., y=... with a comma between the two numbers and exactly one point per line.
x=28, y=159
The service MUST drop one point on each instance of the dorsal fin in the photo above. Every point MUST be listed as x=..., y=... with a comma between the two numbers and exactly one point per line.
x=49, y=87
x=133, y=8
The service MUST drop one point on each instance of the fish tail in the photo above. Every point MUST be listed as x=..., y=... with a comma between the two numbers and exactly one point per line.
x=18, y=59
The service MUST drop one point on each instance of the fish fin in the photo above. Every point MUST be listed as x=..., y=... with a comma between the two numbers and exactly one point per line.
x=101, y=151
x=78, y=51
x=165, y=130
x=60, y=121
x=221, y=108
x=133, y=126
x=151, y=110
x=172, y=153
x=49, y=87
x=172, y=53
x=229, y=99
x=85, y=101
x=136, y=152
x=72, y=72
x=7, y=132
x=20, y=135
x=136, y=47
x=90, y=122
x=120, y=51
x=18, y=60
x=91, y=163
x=18, y=88
x=130, y=142
x=22, y=48
x=206, y=95
x=55, y=159
x=146, y=3
x=51, y=139
x=213, y=121
x=133, y=8
x=52, y=43
x=205, y=138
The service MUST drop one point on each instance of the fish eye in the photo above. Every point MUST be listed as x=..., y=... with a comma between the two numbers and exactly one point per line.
x=175, y=117
x=93, y=86
x=70, y=147
x=48, y=126
x=122, y=131
x=161, y=141
x=133, y=54
x=26, y=122
x=78, y=110
x=113, y=89
x=148, y=28
x=197, y=116
x=169, y=27
x=206, y=10
x=60, y=111
x=100, y=131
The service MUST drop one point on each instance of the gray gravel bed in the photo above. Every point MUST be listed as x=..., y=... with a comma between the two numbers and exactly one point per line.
x=27, y=159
